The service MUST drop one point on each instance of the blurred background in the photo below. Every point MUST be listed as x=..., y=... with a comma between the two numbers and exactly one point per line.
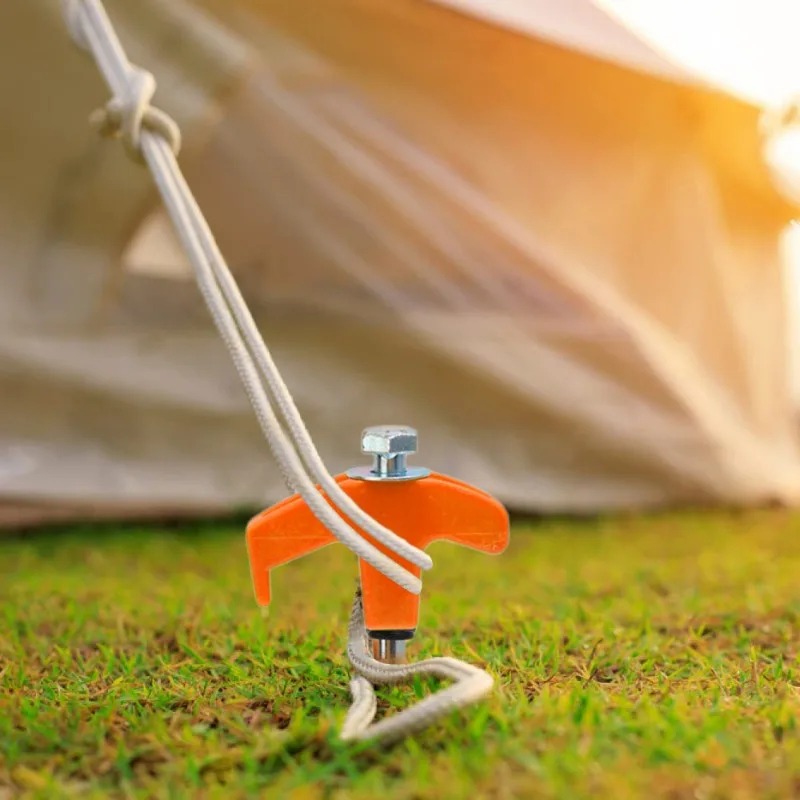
x=553, y=235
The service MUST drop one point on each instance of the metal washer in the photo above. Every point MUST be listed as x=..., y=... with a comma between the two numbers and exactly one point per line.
x=368, y=474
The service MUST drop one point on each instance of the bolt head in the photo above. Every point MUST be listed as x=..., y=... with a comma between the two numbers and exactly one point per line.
x=389, y=440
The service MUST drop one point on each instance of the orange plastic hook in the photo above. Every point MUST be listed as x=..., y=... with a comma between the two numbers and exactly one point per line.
x=421, y=511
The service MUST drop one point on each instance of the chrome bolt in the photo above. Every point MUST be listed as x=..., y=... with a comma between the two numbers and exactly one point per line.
x=389, y=446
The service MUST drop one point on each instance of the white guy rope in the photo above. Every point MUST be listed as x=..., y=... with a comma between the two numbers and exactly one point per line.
x=152, y=138
x=470, y=685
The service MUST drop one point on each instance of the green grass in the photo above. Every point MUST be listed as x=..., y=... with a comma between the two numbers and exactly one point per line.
x=653, y=658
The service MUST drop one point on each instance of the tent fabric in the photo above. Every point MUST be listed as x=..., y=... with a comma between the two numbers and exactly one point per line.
x=564, y=272
x=580, y=25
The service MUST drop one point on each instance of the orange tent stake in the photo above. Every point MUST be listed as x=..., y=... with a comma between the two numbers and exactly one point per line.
x=420, y=506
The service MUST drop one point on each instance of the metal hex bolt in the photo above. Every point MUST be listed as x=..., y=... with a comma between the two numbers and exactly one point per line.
x=389, y=445
x=389, y=440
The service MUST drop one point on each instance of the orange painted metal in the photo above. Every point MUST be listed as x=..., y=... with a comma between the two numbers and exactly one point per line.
x=421, y=511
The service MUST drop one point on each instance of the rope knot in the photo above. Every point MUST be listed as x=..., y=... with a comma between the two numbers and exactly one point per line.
x=127, y=116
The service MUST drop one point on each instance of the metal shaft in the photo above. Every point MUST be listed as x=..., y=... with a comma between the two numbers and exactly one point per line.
x=389, y=651
x=389, y=466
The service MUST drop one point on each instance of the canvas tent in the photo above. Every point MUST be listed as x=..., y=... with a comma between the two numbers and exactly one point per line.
x=532, y=237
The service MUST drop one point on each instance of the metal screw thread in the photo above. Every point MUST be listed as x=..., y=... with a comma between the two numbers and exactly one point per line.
x=389, y=466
